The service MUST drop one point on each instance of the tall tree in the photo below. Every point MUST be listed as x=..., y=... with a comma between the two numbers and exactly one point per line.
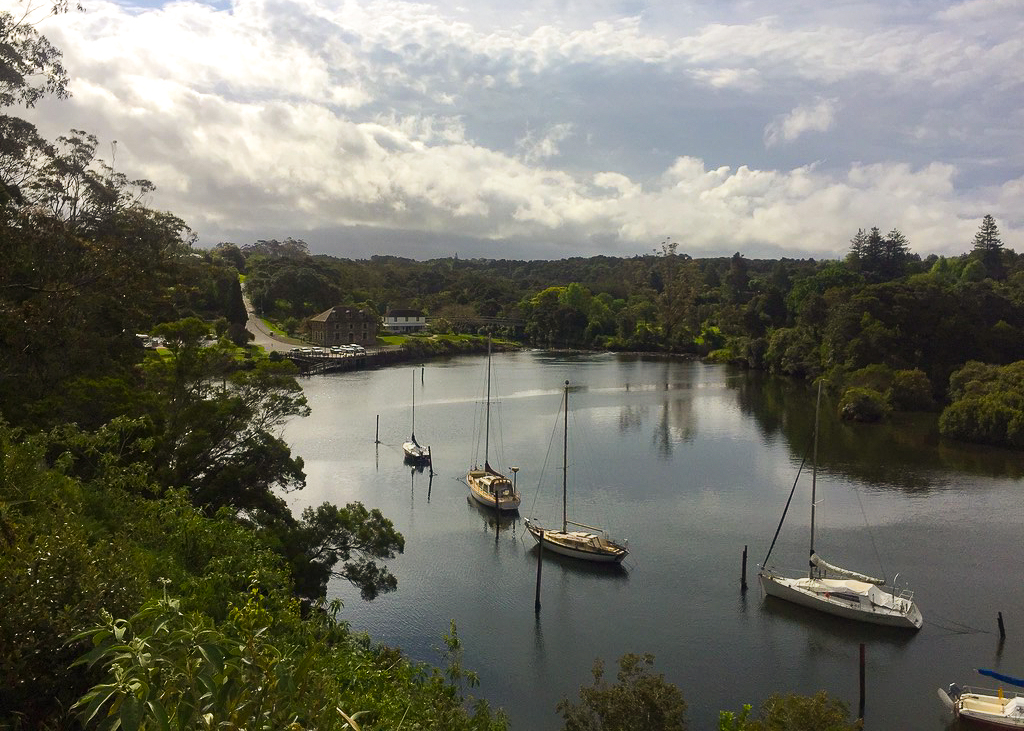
x=988, y=247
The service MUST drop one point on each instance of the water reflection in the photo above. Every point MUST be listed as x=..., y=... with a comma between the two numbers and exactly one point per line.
x=827, y=633
x=491, y=519
x=569, y=565
x=906, y=452
x=416, y=474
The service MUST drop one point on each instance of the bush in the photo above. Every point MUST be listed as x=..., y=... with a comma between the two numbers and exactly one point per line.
x=988, y=405
x=863, y=404
x=911, y=391
x=639, y=700
x=793, y=713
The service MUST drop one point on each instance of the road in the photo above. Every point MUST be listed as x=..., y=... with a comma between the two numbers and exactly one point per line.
x=262, y=336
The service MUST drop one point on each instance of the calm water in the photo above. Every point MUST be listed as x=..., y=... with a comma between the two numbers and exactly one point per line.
x=689, y=462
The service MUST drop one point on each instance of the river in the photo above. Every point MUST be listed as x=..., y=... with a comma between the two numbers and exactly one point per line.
x=689, y=462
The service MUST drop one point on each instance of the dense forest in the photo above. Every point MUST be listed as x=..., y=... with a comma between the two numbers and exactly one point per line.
x=886, y=329
x=151, y=572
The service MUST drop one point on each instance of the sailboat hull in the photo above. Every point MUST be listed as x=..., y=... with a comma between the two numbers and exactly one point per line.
x=846, y=598
x=492, y=490
x=579, y=544
x=416, y=453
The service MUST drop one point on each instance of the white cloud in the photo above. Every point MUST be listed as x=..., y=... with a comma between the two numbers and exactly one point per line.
x=541, y=147
x=308, y=115
x=818, y=117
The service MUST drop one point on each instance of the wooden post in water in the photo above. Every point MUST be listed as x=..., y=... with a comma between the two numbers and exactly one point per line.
x=376, y=438
x=743, y=575
x=860, y=706
x=1002, y=627
x=540, y=555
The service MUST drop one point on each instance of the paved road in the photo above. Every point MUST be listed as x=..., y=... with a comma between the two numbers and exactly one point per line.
x=263, y=337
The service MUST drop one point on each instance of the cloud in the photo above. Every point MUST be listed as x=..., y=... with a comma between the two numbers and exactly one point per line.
x=541, y=147
x=818, y=117
x=282, y=117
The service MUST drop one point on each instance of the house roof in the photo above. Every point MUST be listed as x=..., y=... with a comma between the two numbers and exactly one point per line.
x=404, y=313
x=347, y=313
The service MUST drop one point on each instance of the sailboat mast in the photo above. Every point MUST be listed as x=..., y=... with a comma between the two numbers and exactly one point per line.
x=565, y=461
x=814, y=475
x=487, y=413
x=414, y=404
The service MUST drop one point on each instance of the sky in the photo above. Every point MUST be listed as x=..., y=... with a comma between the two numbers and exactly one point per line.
x=544, y=129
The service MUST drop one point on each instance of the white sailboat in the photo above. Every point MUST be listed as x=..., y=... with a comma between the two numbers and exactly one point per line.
x=486, y=485
x=991, y=708
x=835, y=590
x=590, y=543
x=415, y=453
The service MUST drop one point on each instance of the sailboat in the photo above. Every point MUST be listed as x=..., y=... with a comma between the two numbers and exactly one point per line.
x=590, y=543
x=415, y=453
x=850, y=594
x=991, y=709
x=488, y=486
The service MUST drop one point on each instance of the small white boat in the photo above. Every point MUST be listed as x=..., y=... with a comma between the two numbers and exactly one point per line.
x=988, y=708
x=486, y=485
x=589, y=544
x=415, y=453
x=845, y=593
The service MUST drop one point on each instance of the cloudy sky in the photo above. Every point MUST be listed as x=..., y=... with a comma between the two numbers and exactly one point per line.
x=554, y=128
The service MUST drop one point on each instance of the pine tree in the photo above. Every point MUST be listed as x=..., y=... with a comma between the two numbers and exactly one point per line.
x=987, y=239
x=857, y=245
x=988, y=247
x=896, y=252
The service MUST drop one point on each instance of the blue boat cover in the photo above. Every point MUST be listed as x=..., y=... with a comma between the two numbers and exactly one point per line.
x=1005, y=678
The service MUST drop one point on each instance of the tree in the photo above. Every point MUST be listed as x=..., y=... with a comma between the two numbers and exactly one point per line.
x=352, y=536
x=858, y=244
x=216, y=423
x=988, y=247
x=896, y=253
x=30, y=66
x=638, y=700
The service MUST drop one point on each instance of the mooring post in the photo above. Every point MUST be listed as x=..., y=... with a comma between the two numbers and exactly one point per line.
x=1002, y=627
x=376, y=438
x=540, y=555
x=743, y=576
x=860, y=706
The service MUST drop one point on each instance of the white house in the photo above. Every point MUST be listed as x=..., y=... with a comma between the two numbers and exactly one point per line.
x=404, y=321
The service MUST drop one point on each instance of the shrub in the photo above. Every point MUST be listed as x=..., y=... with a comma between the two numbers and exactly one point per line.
x=863, y=404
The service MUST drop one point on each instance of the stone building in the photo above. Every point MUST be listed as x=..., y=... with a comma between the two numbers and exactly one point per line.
x=342, y=326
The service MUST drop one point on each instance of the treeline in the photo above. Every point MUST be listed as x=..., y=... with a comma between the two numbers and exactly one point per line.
x=885, y=328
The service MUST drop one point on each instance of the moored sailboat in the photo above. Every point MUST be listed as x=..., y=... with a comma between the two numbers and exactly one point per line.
x=415, y=453
x=486, y=485
x=835, y=590
x=590, y=543
x=989, y=709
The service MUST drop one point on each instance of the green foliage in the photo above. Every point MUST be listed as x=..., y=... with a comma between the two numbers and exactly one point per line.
x=165, y=668
x=863, y=404
x=876, y=376
x=988, y=248
x=353, y=537
x=988, y=405
x=793, y=713
x=638, y=699
x=729, y=721
x=793, y=352
x=31, y=65
x=911, y=391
